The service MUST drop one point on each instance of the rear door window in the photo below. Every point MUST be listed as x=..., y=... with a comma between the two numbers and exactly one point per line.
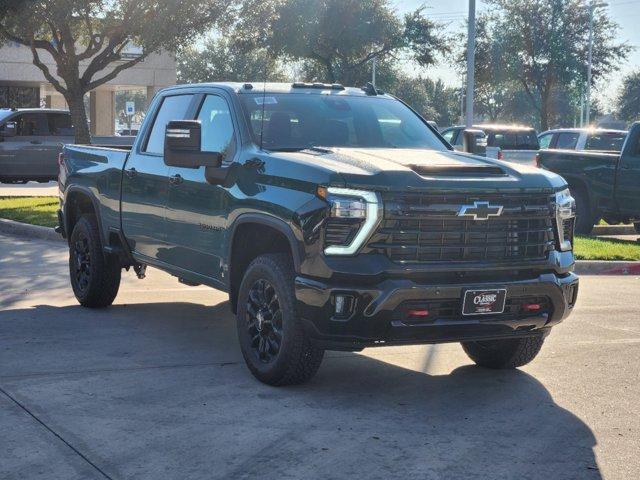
x=567, y=140
x=172, y=108
x=32, y=124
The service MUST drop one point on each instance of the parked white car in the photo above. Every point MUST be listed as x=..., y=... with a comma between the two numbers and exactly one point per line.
x=511, y=143
x=597, y=139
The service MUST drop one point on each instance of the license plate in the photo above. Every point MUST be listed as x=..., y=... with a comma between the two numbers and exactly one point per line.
x=484, y=302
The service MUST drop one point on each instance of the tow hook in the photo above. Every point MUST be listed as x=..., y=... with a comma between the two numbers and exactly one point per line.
x=140, y=270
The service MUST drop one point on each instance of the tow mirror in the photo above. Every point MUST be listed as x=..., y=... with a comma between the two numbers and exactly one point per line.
x=183, y=146
x=474, y=141
x=9, y=129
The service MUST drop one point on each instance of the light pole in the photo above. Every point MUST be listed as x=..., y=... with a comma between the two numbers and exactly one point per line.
x=592, y=8
x=471, y=57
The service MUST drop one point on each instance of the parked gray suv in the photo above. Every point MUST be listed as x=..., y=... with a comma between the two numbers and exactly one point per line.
x=30, y=140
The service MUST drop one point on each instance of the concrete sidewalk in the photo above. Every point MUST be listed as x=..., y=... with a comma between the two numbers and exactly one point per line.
x=29, y=189
x=155, y=388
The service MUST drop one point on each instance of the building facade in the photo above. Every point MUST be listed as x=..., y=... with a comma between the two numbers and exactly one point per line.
x=22, y=84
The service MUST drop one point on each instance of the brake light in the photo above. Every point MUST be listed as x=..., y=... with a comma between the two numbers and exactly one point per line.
x=538, y=160
x=60, y=159
x=422, y=312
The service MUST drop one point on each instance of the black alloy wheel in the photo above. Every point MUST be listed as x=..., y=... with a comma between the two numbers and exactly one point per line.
x=82, y=262
x=264, y=321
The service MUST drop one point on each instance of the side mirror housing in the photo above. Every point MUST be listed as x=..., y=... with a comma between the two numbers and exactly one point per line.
x=474, y=141
x=9, y=129
x=183, y=147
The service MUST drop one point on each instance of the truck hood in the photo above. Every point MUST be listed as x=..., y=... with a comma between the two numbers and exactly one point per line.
x=422, y=169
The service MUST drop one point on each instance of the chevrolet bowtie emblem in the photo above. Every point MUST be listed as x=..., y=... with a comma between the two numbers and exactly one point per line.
x=480, y=211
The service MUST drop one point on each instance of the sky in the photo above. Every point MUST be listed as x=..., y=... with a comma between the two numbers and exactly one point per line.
x=454, y=13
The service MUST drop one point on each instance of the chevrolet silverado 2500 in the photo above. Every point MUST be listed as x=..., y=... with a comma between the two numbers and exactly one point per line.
x=336, y=218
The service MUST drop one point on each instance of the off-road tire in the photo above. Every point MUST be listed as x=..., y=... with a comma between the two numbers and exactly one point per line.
x=297, y=359
x=504, y=354
x=585, y=218
x=103, y=279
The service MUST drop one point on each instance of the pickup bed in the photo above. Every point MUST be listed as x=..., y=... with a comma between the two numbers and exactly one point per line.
x=604, y=184
x=336, y=219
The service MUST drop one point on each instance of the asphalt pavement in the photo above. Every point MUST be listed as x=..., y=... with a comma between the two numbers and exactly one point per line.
x=154, y=387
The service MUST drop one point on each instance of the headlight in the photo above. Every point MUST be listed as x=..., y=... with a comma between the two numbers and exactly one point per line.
x=353, y=217
x=565, y=219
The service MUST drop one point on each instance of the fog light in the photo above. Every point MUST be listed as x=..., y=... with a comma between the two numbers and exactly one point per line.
x=343, y=305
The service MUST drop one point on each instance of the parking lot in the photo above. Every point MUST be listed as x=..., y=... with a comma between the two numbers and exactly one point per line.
x=155, y=387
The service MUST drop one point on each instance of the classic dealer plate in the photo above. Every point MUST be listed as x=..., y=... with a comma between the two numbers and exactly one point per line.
x=484, y=302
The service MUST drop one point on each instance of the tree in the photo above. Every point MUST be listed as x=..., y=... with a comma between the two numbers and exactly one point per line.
x=221, y=59
x=86, y=38
x=628, y=101
x=431, y=99
x=342, y=36
x=544, y=47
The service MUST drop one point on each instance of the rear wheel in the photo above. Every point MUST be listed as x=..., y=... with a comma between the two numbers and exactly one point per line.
x=503, y=354
x=274, y=345
x=585, y=218
x=94, y=280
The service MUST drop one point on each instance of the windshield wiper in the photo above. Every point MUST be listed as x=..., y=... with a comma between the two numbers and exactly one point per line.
x=300, y=149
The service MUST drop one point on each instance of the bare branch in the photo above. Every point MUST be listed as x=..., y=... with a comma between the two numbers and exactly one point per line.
x=114, y=73
x=45, y=71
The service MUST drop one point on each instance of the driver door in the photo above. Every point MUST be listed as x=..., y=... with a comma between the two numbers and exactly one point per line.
x=196, y=218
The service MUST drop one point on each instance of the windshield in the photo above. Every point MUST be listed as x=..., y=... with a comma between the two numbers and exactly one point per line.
x=299, y=121
x=4, y=114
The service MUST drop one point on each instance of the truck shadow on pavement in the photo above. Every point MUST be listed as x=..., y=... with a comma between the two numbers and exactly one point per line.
x=164, y=389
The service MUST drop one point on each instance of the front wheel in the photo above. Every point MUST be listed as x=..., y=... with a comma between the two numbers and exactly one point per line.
x=94, y=280
x=274, y=345
x=585, y=218
x=503, y=354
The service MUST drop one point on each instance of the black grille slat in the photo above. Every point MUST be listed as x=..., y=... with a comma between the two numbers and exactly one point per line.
x=426, y=228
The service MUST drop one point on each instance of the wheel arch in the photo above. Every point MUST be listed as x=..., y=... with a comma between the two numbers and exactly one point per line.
x=264, y=234
x=79, y=201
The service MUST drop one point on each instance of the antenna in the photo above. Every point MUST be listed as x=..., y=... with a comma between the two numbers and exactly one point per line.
x=264, y=96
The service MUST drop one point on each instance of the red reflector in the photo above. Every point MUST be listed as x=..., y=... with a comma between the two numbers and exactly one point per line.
x=531, y=307
x=418, y=313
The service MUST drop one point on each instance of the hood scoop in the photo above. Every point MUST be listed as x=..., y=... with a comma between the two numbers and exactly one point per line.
x=458, y=170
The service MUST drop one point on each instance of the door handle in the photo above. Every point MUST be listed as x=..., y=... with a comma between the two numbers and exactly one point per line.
x=36, y=142
x=131, y=172
x=175, y=179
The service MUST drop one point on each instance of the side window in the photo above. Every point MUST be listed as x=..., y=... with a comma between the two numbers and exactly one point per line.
x=172, y=108
x=545, y=140
x=60, y=124
x=448, y=135
x=605, y=141
x=567, y=140
x=217, y=127
x=32, y=124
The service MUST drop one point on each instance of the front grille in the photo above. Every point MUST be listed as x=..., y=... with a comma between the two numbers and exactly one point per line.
x=451, y=309
x=427, y=228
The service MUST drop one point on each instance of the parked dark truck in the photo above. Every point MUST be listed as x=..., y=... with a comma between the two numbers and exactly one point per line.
x=336, y=218
x=604, y=184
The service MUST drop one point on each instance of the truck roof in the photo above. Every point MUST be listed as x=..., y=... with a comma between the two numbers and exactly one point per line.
x=497, y=126
x=585, y=130
x=282, y=87
x=35, y=110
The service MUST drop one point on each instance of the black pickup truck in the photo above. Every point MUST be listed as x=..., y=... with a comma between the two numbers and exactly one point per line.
x=604, y=184
x=335, y=218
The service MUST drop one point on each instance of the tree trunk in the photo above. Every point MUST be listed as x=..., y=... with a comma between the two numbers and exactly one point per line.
x=544, y=112
x=78, y=117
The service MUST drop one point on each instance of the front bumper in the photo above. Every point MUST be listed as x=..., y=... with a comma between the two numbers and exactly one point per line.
x=374, y=318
